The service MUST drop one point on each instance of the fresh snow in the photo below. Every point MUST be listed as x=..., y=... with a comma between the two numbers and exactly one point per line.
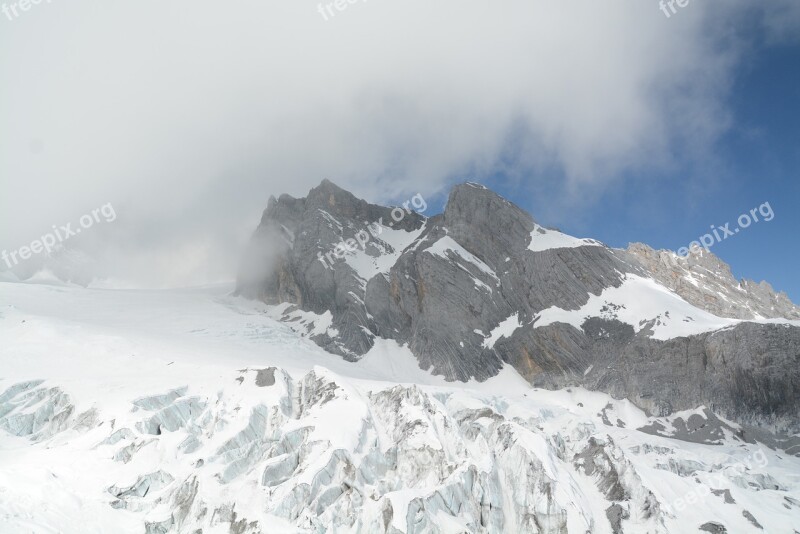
x=544, y=239
x=304, y=322
x=367, y=266
x=448, y=244
x=506, y=328
x=645, y=304
x=122, y=357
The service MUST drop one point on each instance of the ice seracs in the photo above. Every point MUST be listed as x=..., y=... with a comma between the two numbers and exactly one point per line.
x=126, y=411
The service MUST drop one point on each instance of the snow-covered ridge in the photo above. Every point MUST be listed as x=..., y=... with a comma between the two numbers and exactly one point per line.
x=645, y=304
x=545, y=239
x=706, y=281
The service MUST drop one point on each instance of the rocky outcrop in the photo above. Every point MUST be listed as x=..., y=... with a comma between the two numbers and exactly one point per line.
x=286, y=260
x=482, y=285
x=749, y=374
x=706, y=281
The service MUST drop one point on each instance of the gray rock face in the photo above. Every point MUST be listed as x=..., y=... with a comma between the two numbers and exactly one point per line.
x=284, y=262
x=466, y=290
x=749, y=373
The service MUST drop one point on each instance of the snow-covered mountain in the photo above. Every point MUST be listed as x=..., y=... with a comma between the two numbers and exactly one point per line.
x=192, y=411
x=482, y=286
x=379, y=371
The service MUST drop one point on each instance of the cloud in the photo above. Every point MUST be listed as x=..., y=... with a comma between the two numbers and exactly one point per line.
x=187, y=115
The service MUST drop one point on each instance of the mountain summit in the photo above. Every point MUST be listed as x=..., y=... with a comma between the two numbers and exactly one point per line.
x=483, y=285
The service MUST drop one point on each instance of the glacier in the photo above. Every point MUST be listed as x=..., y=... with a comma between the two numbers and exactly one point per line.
x=134, y=411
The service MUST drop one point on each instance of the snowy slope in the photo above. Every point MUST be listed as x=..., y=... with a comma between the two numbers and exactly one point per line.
x=448, y=249
x=181, y=411
x=645, y=304
x=545, y=239
x=706, y=281
x=382, y=258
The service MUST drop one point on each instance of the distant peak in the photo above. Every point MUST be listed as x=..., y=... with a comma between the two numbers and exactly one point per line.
x=330, y=195
x=476, y=185
x=327, y=185
x=467, y=198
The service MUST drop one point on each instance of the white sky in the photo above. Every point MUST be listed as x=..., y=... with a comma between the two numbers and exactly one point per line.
x=188, y=115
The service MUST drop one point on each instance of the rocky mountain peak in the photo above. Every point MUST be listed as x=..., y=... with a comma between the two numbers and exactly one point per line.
x=483, y=221
x=482, y=286
x=329, y=196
